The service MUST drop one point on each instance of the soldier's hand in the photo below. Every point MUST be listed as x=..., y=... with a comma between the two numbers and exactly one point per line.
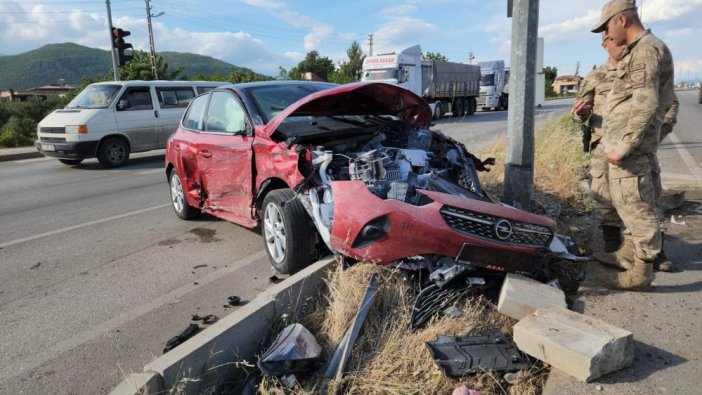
x=582, y=109
x=614, y=158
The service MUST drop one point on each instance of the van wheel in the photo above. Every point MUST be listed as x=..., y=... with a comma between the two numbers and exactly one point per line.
x=70, y=162
x=287, y=231
x=180, y=205
x=113, y=152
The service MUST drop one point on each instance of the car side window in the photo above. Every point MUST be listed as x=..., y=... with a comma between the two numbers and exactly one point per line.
x=174, y=97
x=135, y=99
x=194, y=117
x=225, y=114
x=203, y=89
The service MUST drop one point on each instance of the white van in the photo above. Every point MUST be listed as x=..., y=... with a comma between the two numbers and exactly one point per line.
x=109, y=120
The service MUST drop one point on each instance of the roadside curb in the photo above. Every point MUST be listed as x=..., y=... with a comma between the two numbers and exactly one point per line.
x=7, y=155
x=210, y=358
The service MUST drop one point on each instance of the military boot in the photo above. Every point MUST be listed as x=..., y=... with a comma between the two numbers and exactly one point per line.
x=663, y=264
x=612, y=237
x=623, y=258
x=638, y=278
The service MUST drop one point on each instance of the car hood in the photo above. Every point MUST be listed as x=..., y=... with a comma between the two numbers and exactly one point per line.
x=360, y=98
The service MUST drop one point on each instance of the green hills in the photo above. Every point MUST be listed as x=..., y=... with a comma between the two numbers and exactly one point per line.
x=73, y=62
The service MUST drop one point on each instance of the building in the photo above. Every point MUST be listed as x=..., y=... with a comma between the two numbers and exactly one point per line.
x=567, y=84
x=60, y=89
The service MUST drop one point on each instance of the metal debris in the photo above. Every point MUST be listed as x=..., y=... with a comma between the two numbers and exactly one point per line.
x=292, y=351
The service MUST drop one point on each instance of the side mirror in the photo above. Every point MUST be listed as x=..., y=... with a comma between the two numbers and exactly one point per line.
x=123, y=105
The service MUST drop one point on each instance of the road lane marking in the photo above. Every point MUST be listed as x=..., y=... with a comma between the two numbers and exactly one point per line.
x=83, y=225
x=43, y=159
x=152, y=171
x=27, y=363
x=685, y=155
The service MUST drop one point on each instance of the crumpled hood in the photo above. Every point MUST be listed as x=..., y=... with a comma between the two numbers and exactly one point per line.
x=360, y=98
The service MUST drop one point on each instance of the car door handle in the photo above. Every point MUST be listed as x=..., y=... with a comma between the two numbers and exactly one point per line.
x=205, y=154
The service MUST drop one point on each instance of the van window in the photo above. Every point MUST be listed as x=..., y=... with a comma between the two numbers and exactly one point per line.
x=203, y=89
x=139, y=98
x=95, y=96
x=225, y=114
x=174, y=97
x=195, y=115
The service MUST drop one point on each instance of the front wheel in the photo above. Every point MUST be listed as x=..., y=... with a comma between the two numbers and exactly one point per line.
x=113, y=152
x=70, y=162
x=288, y=235
x=180, y=205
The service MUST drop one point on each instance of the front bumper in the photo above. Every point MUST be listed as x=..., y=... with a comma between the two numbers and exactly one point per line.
x=67, y=150
x=409, y=230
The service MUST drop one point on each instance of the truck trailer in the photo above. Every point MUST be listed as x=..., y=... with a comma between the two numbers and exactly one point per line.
x=448, y=87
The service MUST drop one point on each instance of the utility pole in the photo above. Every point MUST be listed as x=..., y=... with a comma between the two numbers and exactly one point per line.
x=112, y=41
x=149, y=15
x=370, y=44
x=519, y=169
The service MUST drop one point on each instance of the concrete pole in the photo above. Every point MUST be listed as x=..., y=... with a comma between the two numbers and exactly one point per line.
x=519, y=169
x=151, y=40
x=112, y=41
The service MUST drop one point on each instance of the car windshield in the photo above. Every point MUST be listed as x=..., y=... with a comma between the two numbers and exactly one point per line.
x=487, y=80
x=272, y=99
x=95, y=96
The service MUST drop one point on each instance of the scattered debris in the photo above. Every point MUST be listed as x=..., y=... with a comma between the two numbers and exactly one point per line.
x=341, y=356
x=463, y=390
x=513, y=378
x=582, y=346
x=289, y=381
x=208, y=319
x=274, y=279
x=431, y=300
x=226, y=306
x=575, y=229
x=458, y=356
x=292, y=351
x=199, y=266
x=234, y=300
x=179, y=339
x=36, y=266
x=677, y=220
x=599, y=388
x=521, y=296
x=452, y=312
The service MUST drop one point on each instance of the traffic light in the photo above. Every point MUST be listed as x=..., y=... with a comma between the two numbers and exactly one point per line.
x=118, y=36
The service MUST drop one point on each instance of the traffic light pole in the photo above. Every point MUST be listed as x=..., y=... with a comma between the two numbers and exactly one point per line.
x=112, y=43
x=519, y=169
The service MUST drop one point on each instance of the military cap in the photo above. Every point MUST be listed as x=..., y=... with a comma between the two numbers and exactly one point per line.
x=611, y=9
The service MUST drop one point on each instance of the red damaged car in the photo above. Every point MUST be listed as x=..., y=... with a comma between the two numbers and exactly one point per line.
x=353, y=169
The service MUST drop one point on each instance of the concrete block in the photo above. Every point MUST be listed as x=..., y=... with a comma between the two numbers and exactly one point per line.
x=141, y=384
x=521, y=296
x=582, y=346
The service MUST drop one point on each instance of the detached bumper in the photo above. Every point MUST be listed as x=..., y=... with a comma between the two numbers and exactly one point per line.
x=72, y=150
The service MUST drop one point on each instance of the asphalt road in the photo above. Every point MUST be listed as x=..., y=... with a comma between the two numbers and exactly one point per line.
x=97, y=273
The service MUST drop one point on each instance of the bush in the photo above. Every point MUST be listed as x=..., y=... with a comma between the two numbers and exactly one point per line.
x=18, y=132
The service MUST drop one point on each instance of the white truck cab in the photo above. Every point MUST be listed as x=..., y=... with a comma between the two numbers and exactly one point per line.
x=109, y=120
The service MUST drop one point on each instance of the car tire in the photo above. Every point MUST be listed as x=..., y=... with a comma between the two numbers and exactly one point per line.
x=113, y=152
x=471, y=106
x=288, y=234
x=459, y=108
x=437, y=111
x=70, y=162
x=180, y=204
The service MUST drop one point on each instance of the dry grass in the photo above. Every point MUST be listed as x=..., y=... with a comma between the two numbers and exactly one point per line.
x=559, y=163
x=387, y=358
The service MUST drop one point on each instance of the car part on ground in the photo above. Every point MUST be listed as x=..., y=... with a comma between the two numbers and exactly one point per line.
x=293, y=350
x=187, y=333
x=433, y=299
x=458, y=356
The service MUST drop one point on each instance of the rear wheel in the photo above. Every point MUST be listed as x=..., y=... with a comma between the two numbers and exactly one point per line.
x=437, y=110
x=459, y=109
x=113, y=152
x=70, y=162
x=288, y=235
x=180, y=205
x=471, y=106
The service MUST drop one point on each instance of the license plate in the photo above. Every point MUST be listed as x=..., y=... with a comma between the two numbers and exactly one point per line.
x=48, y=147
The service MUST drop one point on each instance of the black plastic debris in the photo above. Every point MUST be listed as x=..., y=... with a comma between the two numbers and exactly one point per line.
x=432, y=299
x=207, y=319
x=341, y=356
x=458, y=356
x=234, y=300
x=179, y=339
x=293, y=351
x=275, y=279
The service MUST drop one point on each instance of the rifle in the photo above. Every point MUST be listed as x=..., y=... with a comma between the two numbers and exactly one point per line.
x=587, y=136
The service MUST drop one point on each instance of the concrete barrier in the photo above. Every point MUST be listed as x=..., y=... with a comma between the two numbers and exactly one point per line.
x=211, y=359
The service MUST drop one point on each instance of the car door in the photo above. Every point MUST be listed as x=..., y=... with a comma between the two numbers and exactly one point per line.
x=183, y=148
x=172, y=101
x=225, y=156
x=137, y=119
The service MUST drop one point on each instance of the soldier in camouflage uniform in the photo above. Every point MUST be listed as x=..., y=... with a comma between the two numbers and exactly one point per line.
x=590, y=106
x=642, y=91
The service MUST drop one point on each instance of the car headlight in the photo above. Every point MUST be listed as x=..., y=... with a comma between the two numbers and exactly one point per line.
x=76, y=129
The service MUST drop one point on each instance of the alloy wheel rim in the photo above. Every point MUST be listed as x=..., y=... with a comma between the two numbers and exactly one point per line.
x=177, y=193
x=115, y=153
x=274, y=231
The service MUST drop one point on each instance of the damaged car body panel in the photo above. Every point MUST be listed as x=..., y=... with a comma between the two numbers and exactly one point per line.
x=354, y=167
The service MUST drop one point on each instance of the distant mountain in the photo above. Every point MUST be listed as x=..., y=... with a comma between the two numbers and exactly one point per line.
x=73, y=62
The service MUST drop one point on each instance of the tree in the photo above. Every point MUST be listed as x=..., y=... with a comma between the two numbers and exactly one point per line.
x=434, y=56
x=350, y=71
x=550, y=74
x=139, y=68
x=313, y=63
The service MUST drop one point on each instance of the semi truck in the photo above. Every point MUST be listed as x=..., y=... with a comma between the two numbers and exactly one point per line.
x=448, y=87
x=494, y=85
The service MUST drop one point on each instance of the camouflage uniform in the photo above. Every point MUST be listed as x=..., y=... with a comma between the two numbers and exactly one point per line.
x=594, y=91
x=641, y=93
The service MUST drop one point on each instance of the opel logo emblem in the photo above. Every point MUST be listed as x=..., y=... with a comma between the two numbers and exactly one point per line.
x=503, y=229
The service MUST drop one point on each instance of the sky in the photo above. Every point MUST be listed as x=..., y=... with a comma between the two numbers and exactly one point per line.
x=265, y=34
